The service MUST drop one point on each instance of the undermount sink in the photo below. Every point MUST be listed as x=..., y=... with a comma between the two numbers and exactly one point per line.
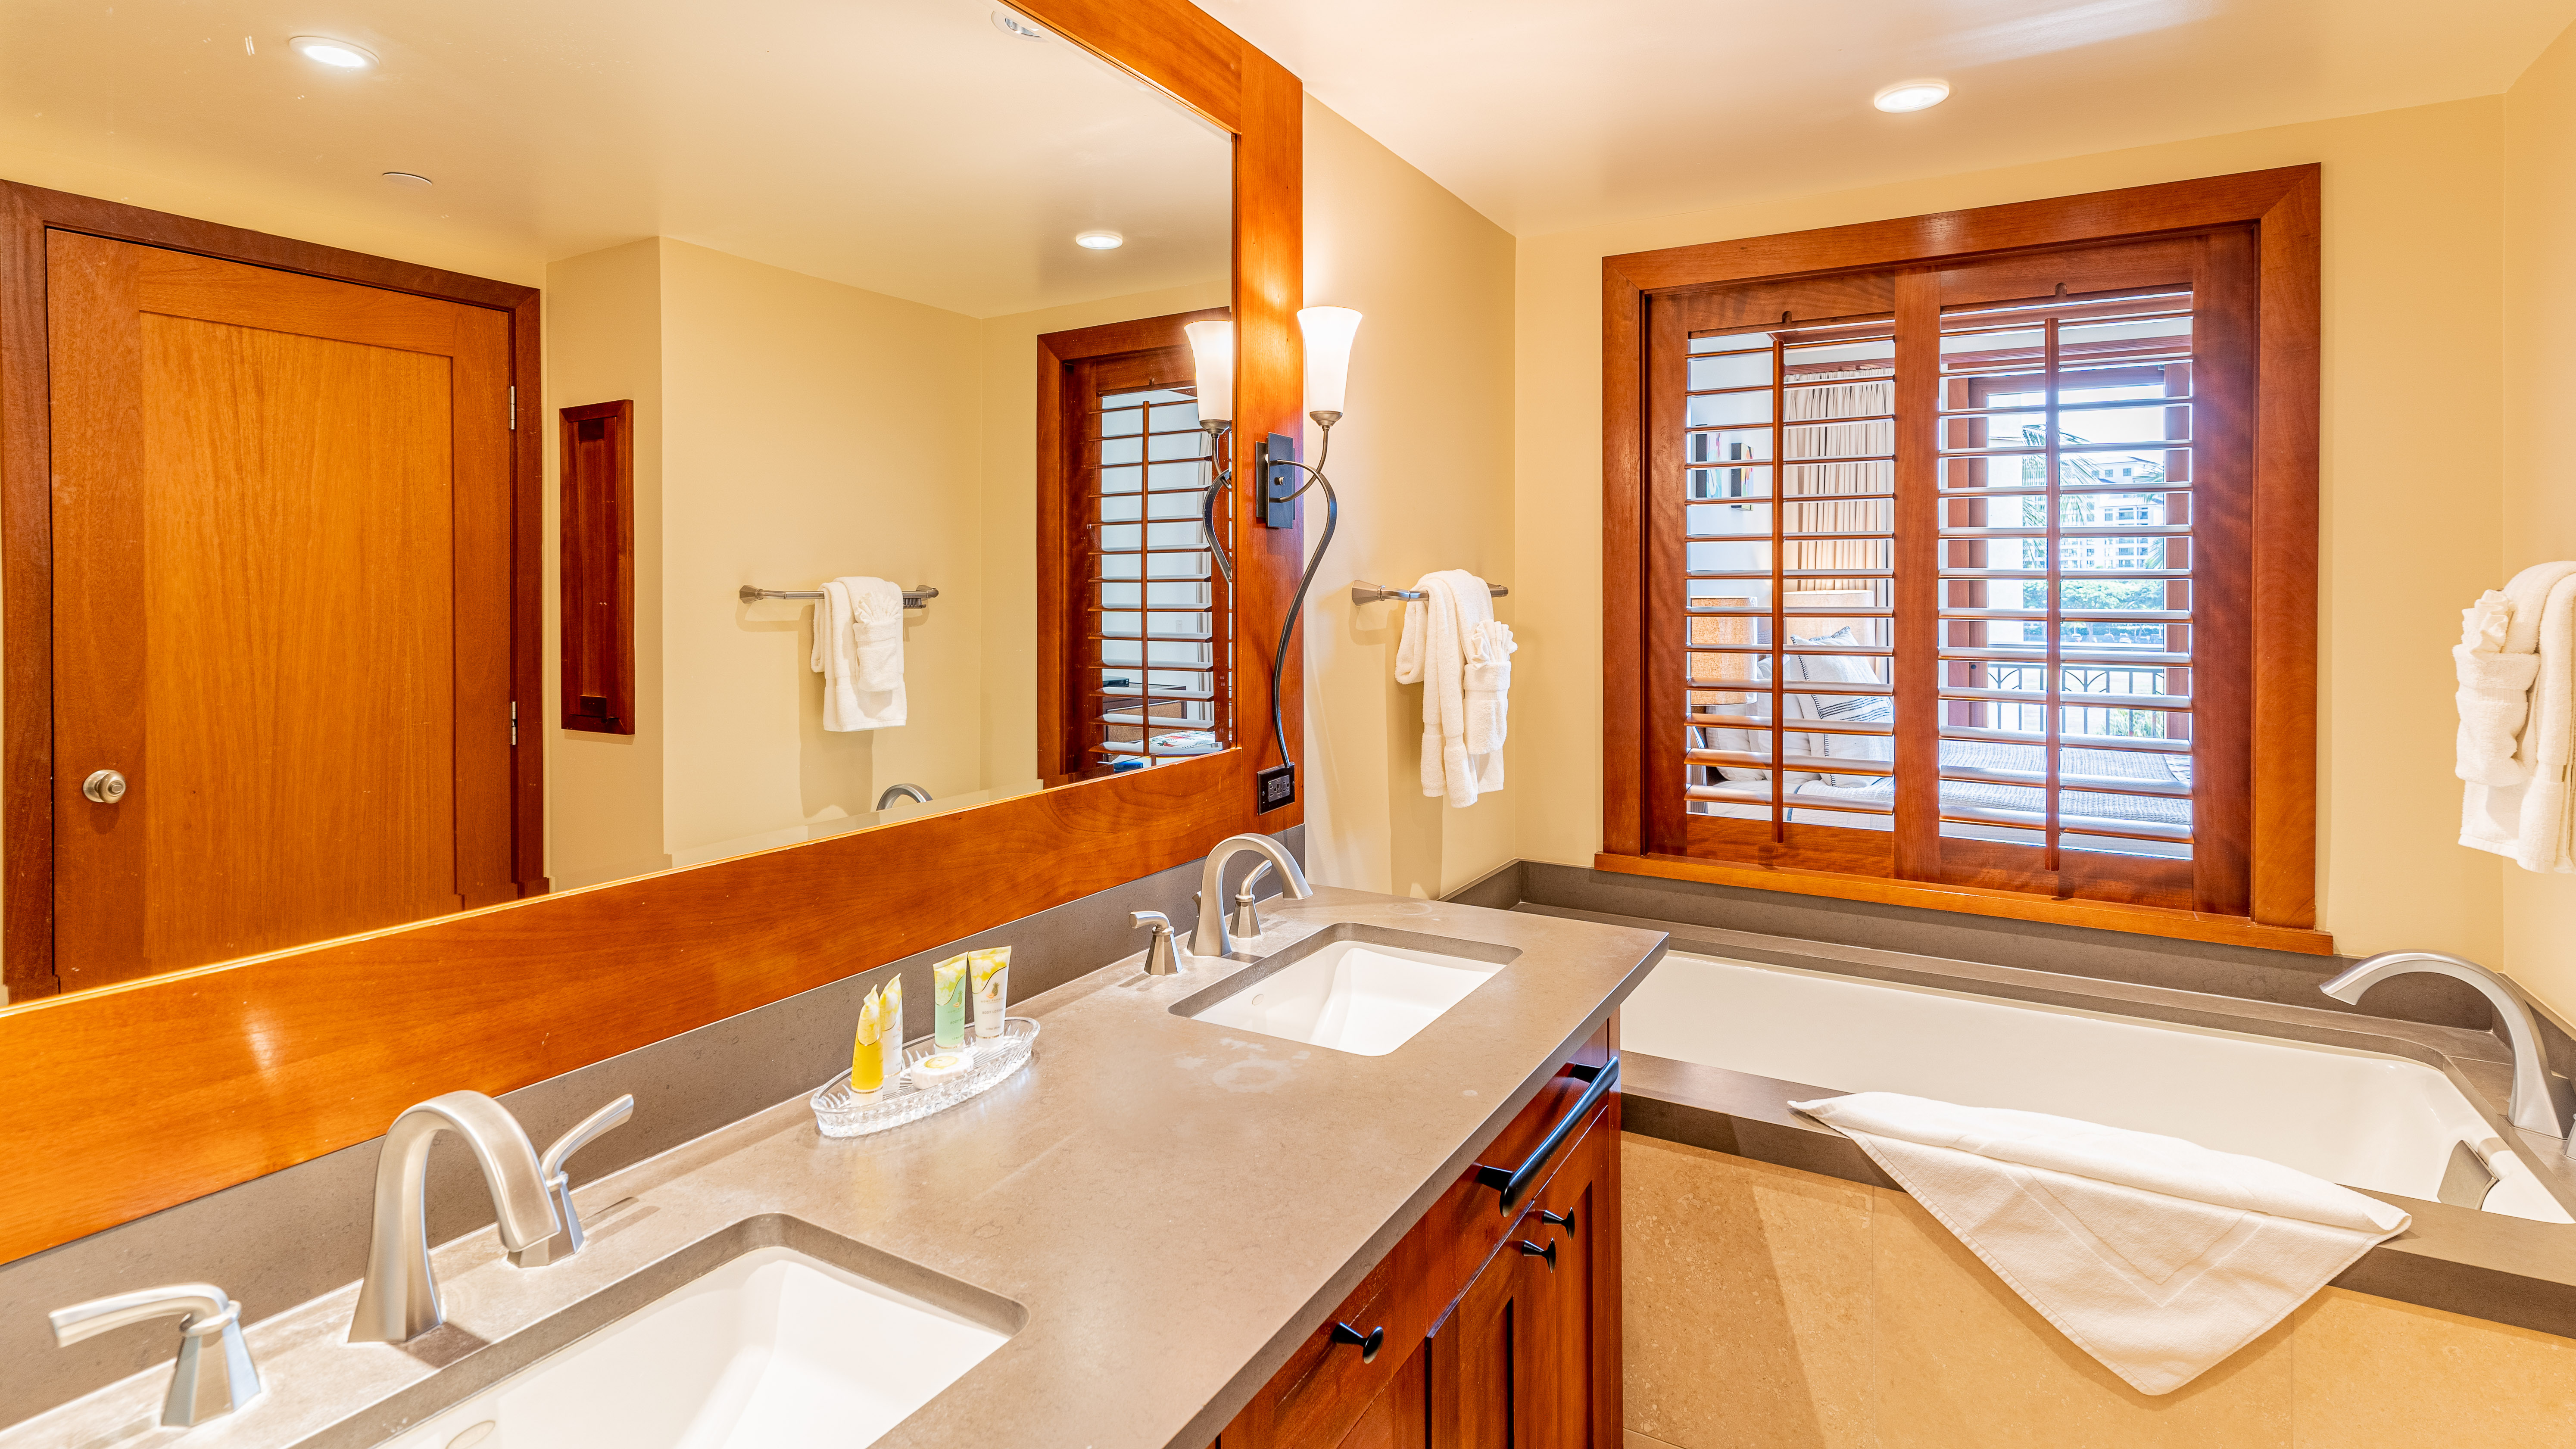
x=1364, y=990
x=772, y=1349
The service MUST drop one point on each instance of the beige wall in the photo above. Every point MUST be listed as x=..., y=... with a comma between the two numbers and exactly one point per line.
x=1423, y=465
x=1009, y=427
x=2414, y=218
x=603, y=330
x=1774, y=1309
x=2539, y=295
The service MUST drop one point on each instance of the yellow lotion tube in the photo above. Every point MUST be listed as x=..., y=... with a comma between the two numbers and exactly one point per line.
x=867, y=1060
x=948, y=1003
x=992, y=969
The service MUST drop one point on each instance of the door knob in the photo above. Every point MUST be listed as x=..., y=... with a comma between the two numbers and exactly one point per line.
x=104, y=786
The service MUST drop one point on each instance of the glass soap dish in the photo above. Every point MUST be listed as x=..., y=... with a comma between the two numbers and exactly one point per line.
x=841, y=1112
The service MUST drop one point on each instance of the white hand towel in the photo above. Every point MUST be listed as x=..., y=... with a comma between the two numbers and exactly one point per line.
x=2155, y=1255
x=1432, y=653
x=2528, y=822
x=858, y=649
x=2494, y=696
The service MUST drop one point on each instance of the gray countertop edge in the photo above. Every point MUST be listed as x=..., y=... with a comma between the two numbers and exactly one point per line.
x=712, y=1187
x=2478, y=1264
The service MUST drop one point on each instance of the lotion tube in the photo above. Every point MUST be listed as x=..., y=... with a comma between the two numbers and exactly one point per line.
x=992, y=973
x=867, y=1058
x=948, y=1003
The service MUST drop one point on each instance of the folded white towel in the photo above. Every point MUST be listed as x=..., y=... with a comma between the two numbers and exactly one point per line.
x=2524, y=815
x=858, y=649
x=1457, y=608
x=2494, y=695
x=2155, y=1255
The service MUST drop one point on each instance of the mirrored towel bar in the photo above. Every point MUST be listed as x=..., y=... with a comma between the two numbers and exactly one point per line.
x=912, y=598
x=1367, y=593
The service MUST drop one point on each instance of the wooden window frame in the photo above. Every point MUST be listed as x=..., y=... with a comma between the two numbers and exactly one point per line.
x=1062, y=586
x=351, y=1032
x=595, y=549
x=2282, y=208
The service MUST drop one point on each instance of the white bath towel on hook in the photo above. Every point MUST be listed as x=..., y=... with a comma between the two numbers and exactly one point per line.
x=1454, y=648
x=858, y=649
x=2157, y=1256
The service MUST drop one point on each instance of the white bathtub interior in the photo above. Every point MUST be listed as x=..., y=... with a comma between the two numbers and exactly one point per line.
x=2358, y=1118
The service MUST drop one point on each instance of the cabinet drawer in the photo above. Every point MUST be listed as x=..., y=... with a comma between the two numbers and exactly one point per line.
x=1325, y=1384
x=1469, y=1221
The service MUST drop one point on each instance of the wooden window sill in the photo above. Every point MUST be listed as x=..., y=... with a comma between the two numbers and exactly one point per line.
x=1970, y=900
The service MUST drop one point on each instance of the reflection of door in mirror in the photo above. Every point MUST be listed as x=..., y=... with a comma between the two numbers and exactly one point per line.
x=281, y=608
x=1134, y=613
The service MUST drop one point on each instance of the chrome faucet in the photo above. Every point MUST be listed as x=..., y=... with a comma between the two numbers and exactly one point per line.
x=2542, y=1100
x=1211, y=938
x=897, y=792
x=567, y=1241
x=214, y=1374
x=399, y=1300
x=1247, y=912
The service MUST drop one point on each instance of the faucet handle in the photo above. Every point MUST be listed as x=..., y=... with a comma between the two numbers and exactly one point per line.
x=204, y=1385
x=568, y=1240
x=1155, y=919
x=1163, y=954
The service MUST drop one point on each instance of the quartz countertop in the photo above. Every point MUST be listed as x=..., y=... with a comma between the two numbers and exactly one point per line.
x=1174, y=1204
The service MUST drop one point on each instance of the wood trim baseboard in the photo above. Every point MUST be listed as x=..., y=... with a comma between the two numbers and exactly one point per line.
x=1969, y=900
x=276, y=1060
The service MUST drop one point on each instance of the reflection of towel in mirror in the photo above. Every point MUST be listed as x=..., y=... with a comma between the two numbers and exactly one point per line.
x=2526, y=819
x=858, y=649
x=1456, y=613
x=2158, y=1256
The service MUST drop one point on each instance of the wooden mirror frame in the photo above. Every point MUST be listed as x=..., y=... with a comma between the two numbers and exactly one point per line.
x=136, y=1097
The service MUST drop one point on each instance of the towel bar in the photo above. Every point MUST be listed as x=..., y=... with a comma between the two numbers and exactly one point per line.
x=1366, y=593
x=752, y=594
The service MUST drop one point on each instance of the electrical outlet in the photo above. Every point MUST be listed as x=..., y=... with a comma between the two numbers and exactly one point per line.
x=1274, y=787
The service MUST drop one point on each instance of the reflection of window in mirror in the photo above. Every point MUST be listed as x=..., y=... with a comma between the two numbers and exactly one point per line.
x=1133, y=615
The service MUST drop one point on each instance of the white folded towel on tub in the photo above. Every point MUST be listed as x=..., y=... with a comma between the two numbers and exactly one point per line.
x=2157, y=1256
x=858, y=649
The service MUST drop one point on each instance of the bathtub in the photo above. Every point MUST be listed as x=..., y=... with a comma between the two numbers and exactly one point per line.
x=2359, y=1118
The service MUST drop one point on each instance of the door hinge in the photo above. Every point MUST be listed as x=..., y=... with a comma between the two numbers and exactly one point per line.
x=514, y=417
x=514, y=724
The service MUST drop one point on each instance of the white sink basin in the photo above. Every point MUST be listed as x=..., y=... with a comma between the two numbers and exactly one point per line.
x=1355, y=989
x=773, y=1350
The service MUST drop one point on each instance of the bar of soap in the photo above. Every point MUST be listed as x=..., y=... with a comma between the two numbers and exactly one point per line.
x=939, y=1067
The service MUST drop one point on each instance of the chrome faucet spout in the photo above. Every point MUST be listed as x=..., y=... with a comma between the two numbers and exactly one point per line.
x=2542, y=1100
x=1211, y=938
x=399, y=1300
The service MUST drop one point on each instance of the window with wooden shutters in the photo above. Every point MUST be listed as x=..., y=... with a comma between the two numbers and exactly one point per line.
x=1949, y=575
x=1139, y=614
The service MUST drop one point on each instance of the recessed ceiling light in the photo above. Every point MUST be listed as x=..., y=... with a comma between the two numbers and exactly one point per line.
x=326, y=51
x=407, y=178
x=1010, y=24
x=1099, y=241
x=1913, y=95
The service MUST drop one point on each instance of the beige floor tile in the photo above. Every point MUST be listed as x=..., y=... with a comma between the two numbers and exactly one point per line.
x=1963, y=1361
x=2375, y=1374
x=1747, y=1302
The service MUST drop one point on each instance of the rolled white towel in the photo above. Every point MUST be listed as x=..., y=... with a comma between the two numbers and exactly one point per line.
x=1488, y=685
x=2494, y=697
x=876, y=607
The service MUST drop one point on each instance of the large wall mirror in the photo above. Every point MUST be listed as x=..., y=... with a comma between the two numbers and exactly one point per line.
x=873, y=301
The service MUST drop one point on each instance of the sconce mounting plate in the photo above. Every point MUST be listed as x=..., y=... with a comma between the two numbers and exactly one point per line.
x=1278, y=482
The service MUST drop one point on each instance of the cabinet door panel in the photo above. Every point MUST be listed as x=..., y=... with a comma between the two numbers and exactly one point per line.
x=1397, y=1417
x=1478, y=1359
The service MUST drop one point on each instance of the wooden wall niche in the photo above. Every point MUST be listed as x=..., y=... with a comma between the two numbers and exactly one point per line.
x=280, y=1059
x=597, y=528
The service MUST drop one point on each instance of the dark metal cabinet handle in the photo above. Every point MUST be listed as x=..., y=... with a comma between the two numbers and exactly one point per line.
x=1533, y=1250
x=1562, y=1220
x=1514, y=1181
x=1368, y=1343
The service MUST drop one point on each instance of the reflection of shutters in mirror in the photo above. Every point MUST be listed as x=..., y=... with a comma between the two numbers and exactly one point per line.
x=1948, y=573
x=1139, y=659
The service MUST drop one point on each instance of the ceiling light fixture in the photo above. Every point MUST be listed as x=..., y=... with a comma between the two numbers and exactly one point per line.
x=408, y=178
x=1913, y=95
x=1010, y=24
x=1099, y=241
x=338, y=54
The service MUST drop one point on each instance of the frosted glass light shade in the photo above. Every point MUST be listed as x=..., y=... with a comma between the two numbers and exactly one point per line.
x=1212, y=357
x=1328, y=355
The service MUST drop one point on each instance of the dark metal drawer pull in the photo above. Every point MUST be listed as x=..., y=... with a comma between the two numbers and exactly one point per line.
x=1562, y=1220
x=1512, y=1182
x=1370, y=1342
x=1533, y=1250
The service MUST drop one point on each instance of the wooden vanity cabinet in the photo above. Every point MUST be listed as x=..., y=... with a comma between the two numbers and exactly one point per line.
x=1483, y=1328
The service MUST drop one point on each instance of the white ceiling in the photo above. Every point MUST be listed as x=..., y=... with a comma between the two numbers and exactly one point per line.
x=906, y=146
x=1548, y=115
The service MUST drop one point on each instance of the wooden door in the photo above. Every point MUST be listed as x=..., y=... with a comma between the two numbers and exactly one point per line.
x=281, y=535
x=1478, y=1362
